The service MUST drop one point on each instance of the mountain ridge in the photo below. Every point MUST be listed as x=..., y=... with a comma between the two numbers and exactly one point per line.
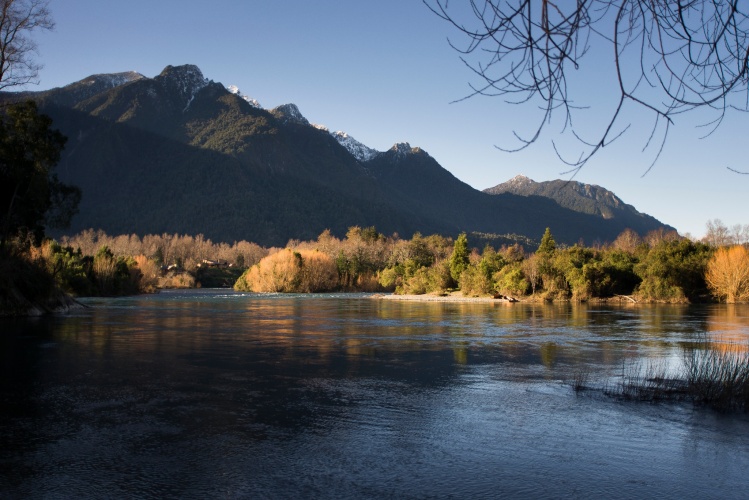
x=179, y=152
x=582, y=197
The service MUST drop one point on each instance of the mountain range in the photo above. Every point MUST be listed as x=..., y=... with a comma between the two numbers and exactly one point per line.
x=179, y=153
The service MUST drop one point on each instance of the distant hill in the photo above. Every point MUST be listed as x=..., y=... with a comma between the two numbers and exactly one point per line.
x=583, y=198
x=181, y=153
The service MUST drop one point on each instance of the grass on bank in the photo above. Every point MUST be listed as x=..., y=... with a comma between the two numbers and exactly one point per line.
x=711, y=376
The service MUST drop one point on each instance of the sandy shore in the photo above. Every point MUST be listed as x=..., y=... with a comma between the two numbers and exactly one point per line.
x=453, y=297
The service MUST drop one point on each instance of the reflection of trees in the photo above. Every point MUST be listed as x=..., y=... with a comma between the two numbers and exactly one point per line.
x=727, y=326
x=354, y=336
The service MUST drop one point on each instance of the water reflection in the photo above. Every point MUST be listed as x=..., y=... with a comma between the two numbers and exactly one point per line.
x=208, y=393
x=728, y=327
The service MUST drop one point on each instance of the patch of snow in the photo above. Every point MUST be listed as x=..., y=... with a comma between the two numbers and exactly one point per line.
x=235, y=90
x=356, y=148
x=112, y=80
x=321, y=127
x=520, y=180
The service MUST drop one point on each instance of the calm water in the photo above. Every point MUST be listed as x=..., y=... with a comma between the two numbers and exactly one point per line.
x=208, y=394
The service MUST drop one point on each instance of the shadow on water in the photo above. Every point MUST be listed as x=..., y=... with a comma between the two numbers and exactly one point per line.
x=207, y=393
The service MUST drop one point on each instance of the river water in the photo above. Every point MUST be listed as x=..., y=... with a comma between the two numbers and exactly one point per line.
x=209, y=393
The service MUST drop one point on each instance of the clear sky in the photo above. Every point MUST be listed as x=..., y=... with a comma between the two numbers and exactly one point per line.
x=384, y=73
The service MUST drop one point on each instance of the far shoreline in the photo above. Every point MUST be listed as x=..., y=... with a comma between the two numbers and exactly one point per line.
x=452, y=297
x=456, y=297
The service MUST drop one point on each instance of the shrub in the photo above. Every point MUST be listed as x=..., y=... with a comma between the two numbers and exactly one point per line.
x=149, y=273
x=727, y=274
x=473, y=282
x=288, y=271
x=511, y=281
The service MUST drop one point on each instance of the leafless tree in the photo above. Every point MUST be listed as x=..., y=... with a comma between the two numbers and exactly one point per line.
x=18, y=18
x=670, y=57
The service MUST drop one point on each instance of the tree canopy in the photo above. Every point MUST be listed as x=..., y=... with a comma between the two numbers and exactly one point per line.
x=31, y=196
x=668, y=57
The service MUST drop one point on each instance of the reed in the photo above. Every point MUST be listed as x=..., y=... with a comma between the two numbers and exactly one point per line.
x=719, y=377
x=580, y=379
x=648, y=382
x=711, y=375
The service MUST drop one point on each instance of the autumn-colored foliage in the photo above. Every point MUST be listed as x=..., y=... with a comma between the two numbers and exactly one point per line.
x=291, y=271
x=727, y=274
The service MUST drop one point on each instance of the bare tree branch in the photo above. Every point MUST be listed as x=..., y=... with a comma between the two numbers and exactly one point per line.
x=689, y=54
x=18, y=18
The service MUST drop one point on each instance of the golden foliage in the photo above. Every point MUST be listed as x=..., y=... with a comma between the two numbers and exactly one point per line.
x=727, y=274
x=105, y=269
x=290, y=271
x=150, y=273
x=177, y=280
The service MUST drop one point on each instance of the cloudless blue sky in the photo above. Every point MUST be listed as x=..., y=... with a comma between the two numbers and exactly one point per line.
x=384, y=72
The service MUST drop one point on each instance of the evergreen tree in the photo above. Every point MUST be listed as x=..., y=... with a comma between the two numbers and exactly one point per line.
x=548, y=245
x=459, y=257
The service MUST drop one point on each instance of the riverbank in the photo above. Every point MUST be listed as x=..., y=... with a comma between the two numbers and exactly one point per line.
x=457, y=296
x=450, y=297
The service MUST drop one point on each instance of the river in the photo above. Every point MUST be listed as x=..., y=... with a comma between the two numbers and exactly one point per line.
x=211, y=393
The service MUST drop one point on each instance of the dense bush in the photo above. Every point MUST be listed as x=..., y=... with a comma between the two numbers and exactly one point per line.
x=291, y=271
x=673, y=271
x=727, y=274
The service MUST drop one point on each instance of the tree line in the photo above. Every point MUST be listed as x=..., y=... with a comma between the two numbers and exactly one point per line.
x=660, y=267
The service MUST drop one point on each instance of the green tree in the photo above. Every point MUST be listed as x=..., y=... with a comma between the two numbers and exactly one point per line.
x=551, y=276
x=419, y=251
x=459, y=258
x=491, y=262
x=510, y=280
x=548, y=245
x=673, y=271
x=31, y=196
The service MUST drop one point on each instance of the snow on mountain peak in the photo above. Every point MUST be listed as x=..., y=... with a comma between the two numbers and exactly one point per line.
x=235, y=90
x=356, y=148
x=112, y=80
x=520, y=180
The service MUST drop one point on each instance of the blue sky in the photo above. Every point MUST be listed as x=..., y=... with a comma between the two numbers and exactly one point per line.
x=384, y=72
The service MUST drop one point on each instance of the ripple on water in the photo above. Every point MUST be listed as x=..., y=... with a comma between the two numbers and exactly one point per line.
x=206, y=394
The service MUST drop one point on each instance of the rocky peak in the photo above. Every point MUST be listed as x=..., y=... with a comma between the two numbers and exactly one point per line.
x=515, y=185
x=91, y=86
x=356, y=148
x=520, y=180
x=401, y=149
x=111, y=80
x=289, y=113
x=187, y=80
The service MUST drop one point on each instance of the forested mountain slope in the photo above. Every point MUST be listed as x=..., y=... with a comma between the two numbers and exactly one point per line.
x=180, y=153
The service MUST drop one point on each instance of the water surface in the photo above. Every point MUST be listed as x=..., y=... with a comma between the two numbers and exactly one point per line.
x=216, y=394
